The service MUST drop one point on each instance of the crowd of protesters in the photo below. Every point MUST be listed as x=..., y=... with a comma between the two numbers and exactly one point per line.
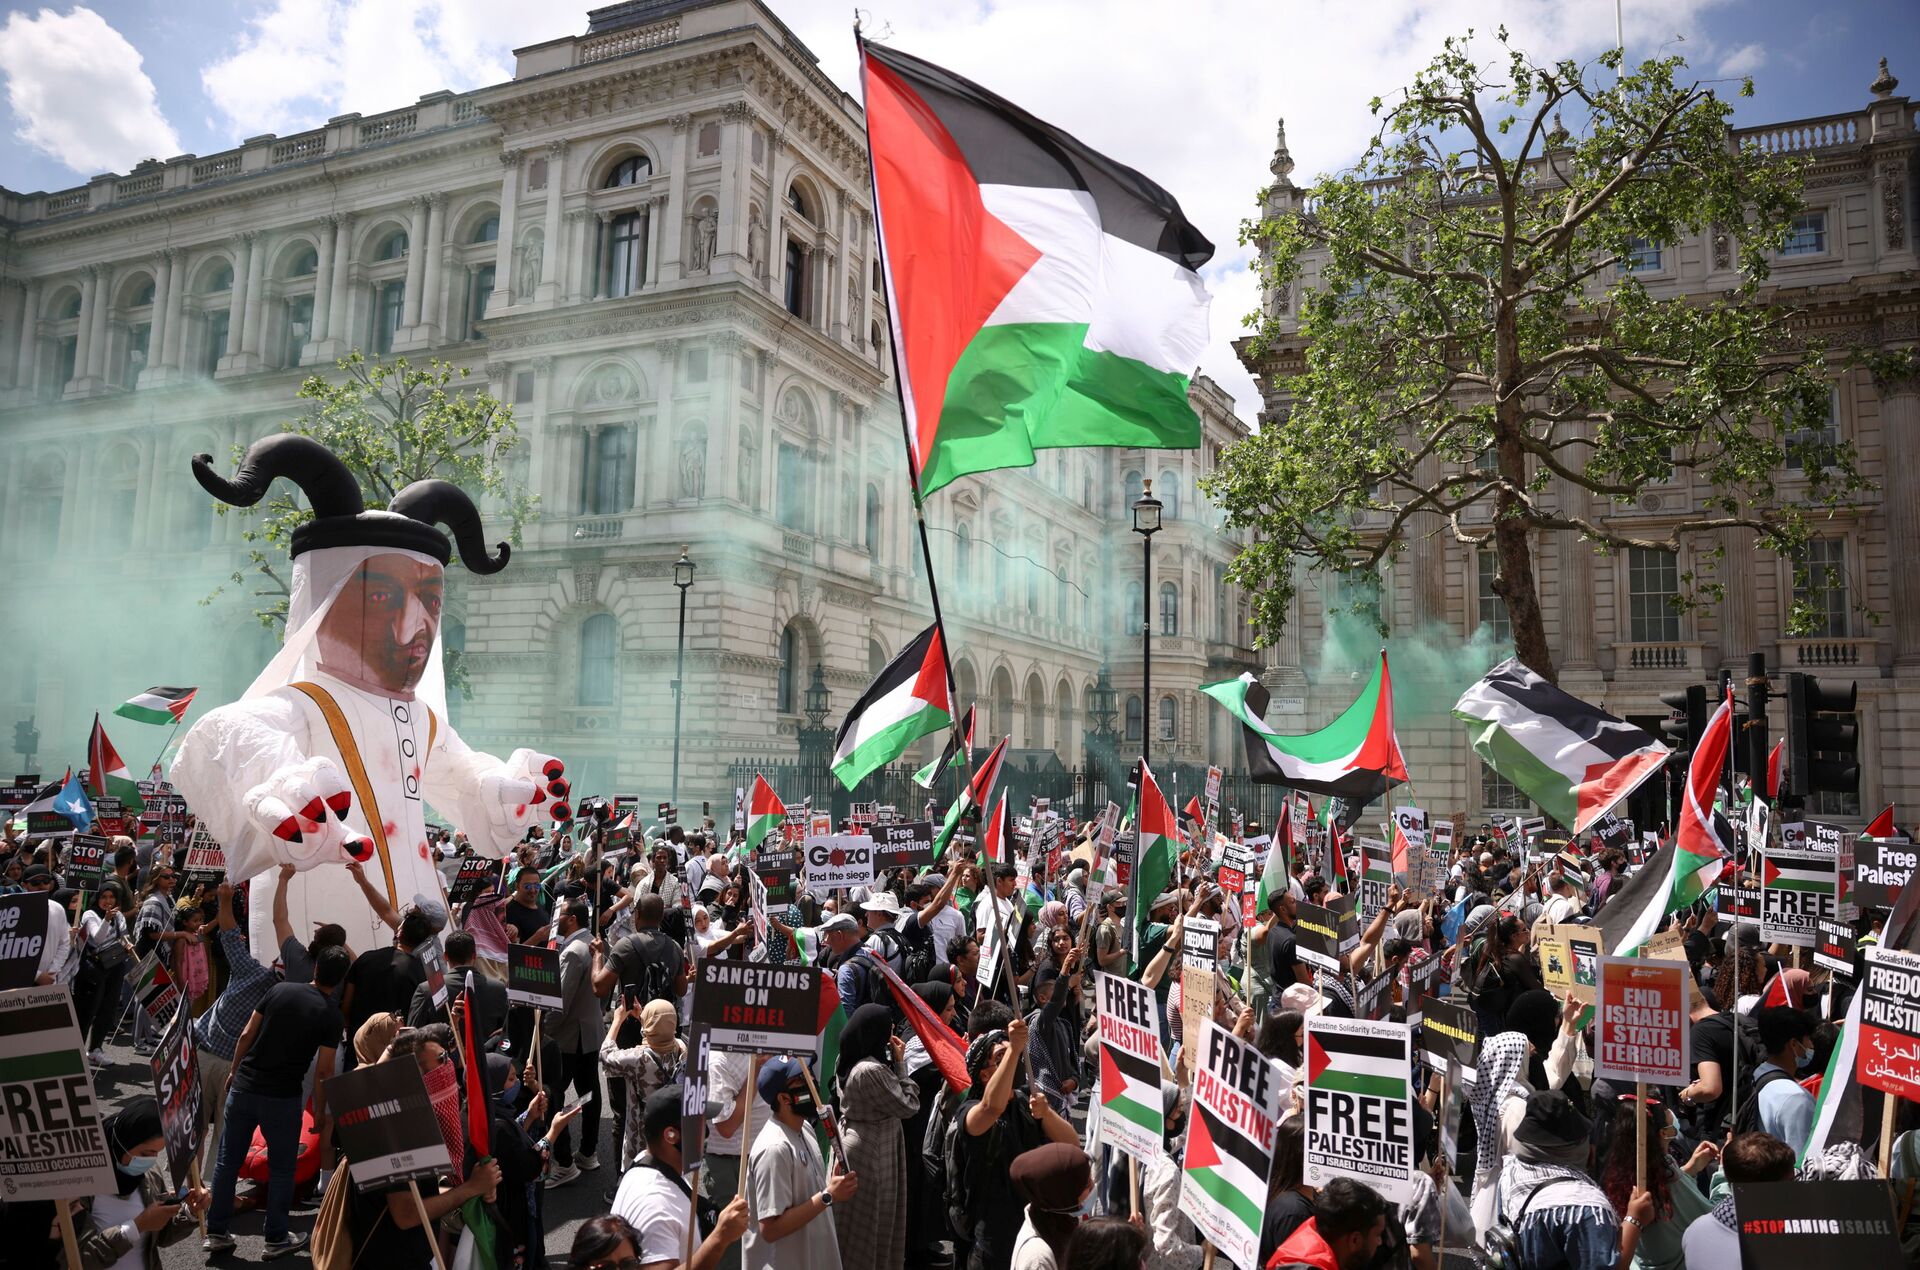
x=916, y=1172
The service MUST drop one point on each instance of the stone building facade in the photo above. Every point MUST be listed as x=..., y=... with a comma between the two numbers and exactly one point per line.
x=656, y=242
x=1850, y=267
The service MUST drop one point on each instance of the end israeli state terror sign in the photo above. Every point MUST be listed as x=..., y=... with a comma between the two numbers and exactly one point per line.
x=1132, y=1118
x=751, y=1007
x=1798, y=890
x=53, y=1141
x=1641, y=1026
x=1888, y=1055
x=1223, y=1182
x=1359, y=1104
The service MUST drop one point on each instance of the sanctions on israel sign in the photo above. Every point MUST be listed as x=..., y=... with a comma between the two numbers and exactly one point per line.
x=1359, y=1106
x=1642, y=1032
x=1131, y=1115
x=1223, y=1184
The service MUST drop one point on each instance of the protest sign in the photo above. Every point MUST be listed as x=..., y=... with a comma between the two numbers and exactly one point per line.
x=176, y=1087
x=1888, y=1056
x=1376, y=876
x=1322, y=935
x=1231, y=877
x=1449, y=1036
x=53, y=1144
x=693, y=1098
x=1124, y=843
x=87, y=862
x=1613, y=831
x=1441, y=845
x=1835, y=947
x=154, y=989
x=23, y=938
x=838, y=862
x=1199, y=943
x=903, y=845
x=1199, y=950
x=819, y=824
x=1412, y=824
x=1359, y=1104
x=387, y=1124
x=533, y=976
x=1642, y=1025
x=1881, y=868
x=1375, y=997
x=754, y=1008
x=1737, y=903
x=1421, y=974
x=1109, y=822
x=1131, y=1117
x=206, y=864
x=1793, y=836
x=1236, y=1102
x=433, y=957
x=475, y=878
x=1794, y=1225
x=1797, y=890
x=779, y=871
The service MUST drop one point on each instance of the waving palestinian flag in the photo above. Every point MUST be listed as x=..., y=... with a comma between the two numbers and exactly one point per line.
x=994, y=838
x=158, y=705
x=1041, y=294
x=1575, y=760
x=959, y=751
x=1882, y=826
x=107, y=772
x=1156, y=853
x=905, y=702
x=976, y=794
x=765, y=812
x=1357, y=756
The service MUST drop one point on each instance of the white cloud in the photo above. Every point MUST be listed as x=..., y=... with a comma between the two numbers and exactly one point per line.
x=78, y=93
x=1188, y=95
x=1744, y=60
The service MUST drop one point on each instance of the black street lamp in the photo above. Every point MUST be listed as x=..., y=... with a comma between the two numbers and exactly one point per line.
x=816, y=738
x=683, y=579
x=1102, y=704
x=1146, y=523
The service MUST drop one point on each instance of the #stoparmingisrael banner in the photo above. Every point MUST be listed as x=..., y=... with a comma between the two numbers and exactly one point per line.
x=1359, y=1107
x=1236, y=1103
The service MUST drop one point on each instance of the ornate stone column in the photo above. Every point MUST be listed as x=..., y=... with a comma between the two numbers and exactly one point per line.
x=431, y=303
x=83, y=338
x=736, y=186
x=337, y=316
x=322, y=286
x=176, y=335
x=1900, y=432
x=416, y=263
x=549, y=289
x=102, y=304
x=661, y=474
x=26, y=365
x=502, y=296
x=237, y=296
x=674, y=217
x=166, y=265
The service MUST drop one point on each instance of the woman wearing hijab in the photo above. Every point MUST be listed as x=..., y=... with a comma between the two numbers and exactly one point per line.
x=659, y=1059
x=1053, y=1181
x=926, y=1210
x=125, y=1230
x=1499, y=1096
x=875, y=1099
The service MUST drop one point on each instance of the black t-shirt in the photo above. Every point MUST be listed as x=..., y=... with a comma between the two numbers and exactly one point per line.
x=383, y=981
x=1283, y=955
x=649, y=965
x=296, y=1019
x=377, y=1239
x=1713, y=1043
x=525, y=921
x=1286, y=1213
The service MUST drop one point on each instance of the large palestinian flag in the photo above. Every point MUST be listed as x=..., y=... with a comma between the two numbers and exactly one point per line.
x=1041, y=294
x=1356, y=757
x=157, y=705
x=905, y=702
x=1575, y=760
x=765, y=812
x=107, y=773
x=1701, y=846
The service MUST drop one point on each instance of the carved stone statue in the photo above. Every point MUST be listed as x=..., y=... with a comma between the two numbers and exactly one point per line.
x=748, y=456
x=693, y=463
x=706, y=235
x=754, y=254
x=531, y=258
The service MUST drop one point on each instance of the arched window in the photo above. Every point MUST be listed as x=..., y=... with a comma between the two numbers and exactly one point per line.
x=1134, y=722
x=876, y=657
x=1135, y=484
x=219, y=278
x=797, y=200
x=305, y=263
x=1169, y=711
x=796, y=292
x=1036, y=714
x=626, y=254
x=1168, y=492
x=629, y=171
x=1169, y=609
x=873, y=519
x=598, y=635
x=787, y=696
x=963, y=555
x=607, y=478
x=143, y=297
x=392, y=247
x=487, y=231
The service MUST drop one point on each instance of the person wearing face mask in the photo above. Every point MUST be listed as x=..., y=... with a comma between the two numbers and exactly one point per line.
x=998, y=1123
x=1785, y=1110
x=1054, y=1180
x=654, y=1197
x=790, y=1193
x=1677, y=1198
x=126, y=1229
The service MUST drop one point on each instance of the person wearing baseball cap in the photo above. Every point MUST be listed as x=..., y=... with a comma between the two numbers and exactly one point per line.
x=654, y=1197
x=789, y=1189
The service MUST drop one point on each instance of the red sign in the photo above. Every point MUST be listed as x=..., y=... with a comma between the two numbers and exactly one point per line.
x=1888, y=1057
x=1641, y=1026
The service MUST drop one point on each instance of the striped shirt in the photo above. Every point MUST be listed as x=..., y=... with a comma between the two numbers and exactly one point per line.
x=218, y=1030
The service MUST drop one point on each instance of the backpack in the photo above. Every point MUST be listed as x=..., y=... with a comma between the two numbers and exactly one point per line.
x=1499, y=1248
x=1746, y=1118
x=962, y=1184
x=1748, y=1056
x=933, y=1143
x=918, y=959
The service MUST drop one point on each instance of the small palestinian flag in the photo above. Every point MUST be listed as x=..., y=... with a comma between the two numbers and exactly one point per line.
x=1275, y=878
x=976, y=794
x=158, y=705
x=905, y=702
x=1130, y=1089
x=1357, y=1063
x=1337, y=860
x=1882, y=825
x=107, y=773
x=1795, y=875
x=1376, y=863
x=959, y=751
x=1156, y=854
x=995, y=841
x=1041, y=294
x=1575, y=760
x=1356, y=757
x=1402, y=849
x=153, y=987
x=1773, y=767
x=1778, y=992
x=765, y=812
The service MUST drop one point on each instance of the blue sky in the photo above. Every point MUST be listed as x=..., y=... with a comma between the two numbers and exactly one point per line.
x=1188, y=93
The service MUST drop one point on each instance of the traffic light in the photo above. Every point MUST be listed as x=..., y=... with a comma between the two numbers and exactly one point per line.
x=26, y=739
x=1687, y=723
x=1823, y=744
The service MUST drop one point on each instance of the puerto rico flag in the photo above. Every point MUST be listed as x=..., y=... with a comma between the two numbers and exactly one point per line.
x=1041, y=294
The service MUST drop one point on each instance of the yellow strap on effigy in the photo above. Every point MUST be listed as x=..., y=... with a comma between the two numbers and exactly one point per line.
x=356, y=774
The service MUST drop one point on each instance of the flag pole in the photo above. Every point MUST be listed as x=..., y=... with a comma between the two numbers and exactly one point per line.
x=900, y=391
x=155, y=765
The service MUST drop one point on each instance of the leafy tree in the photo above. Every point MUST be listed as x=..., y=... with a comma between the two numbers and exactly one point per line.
x=1477, y=344
x=391, y=423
